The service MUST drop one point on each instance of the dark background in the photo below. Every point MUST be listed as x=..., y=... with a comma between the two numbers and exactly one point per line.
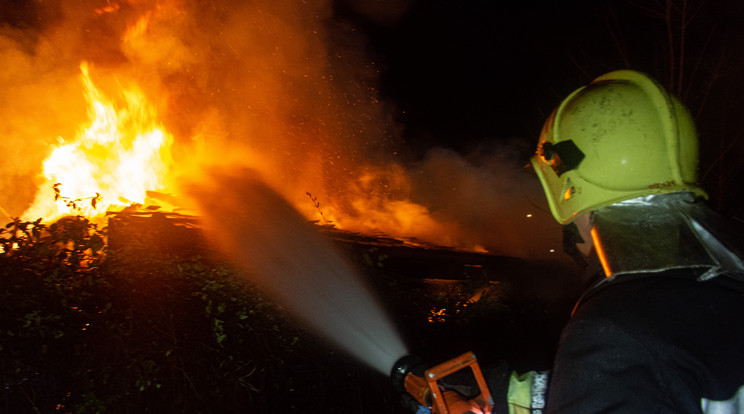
x=461, y=72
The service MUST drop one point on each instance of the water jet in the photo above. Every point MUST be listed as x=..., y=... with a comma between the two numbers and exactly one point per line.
x=272, y=244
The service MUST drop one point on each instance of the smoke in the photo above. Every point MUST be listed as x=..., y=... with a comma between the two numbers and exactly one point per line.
x=275, y=246
x=489, y=198
x=243, y=80
x=40, y=97
x=482, y=200
x=283, y=87
x=266, y=81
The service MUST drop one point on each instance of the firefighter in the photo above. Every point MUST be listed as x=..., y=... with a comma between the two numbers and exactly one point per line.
x=663, y=330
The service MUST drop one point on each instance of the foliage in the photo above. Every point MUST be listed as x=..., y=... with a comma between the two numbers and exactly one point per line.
x=74, y=203
x=86, y=328
x=117, y=320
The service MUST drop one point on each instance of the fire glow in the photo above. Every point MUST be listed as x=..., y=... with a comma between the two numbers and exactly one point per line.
x=262, y=85
x=121, y=154
x=265, y=87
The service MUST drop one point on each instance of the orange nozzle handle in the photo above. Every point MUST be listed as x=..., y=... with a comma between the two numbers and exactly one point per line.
x=439, y=399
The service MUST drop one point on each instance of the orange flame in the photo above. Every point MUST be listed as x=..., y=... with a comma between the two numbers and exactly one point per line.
x=256, y=86
x=121, y=154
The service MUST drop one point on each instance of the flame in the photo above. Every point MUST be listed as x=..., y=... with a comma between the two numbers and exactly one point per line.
x=252, y=84
x=137, y=30
x=121, y=154
x=378, y=201
x=110, y=8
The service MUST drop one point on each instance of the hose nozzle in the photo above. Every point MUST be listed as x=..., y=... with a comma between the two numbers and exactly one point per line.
x=401, y=368
x=408, y=380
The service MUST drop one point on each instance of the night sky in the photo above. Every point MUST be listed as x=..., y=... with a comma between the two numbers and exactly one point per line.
x=464, y=72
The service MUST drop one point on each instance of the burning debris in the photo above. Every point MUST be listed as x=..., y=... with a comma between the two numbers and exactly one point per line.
x=171, y=234
x=119, y=154
x=144, y=96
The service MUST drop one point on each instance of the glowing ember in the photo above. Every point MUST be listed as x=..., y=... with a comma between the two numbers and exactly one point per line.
x=113, y=161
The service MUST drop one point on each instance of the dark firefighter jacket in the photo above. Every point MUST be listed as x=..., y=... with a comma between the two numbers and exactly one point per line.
x=652, y=343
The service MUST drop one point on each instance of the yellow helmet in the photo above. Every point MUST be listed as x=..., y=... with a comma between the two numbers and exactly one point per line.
x=620, y=137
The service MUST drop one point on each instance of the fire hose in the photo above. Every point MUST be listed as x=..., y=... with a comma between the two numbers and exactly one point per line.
x=428, y=392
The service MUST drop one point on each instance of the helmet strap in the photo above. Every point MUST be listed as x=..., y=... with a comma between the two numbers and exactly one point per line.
x=571, y=239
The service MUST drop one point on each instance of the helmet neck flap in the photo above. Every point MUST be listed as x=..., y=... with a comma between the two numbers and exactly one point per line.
x=662, y=232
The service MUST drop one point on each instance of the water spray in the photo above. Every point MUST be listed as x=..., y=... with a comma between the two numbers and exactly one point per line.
x=273, y=245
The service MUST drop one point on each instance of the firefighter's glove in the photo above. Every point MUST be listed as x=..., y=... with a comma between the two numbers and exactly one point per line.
x=407, y=401
x=423, y=410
